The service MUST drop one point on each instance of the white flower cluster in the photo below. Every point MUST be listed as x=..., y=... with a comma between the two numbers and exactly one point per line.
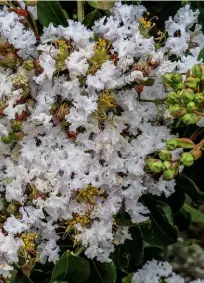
x=156, y=272
x=80, y=174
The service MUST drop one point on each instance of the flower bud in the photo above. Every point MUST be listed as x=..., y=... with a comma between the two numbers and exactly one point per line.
x=187, y=159
x=177, y=78
x=177, y=110
x=31, y=2
x=155, y=165
x=171, y=144
x=167, y=78
x=167, y=164
x=16, y=125
x=198, y=70
x=168, y=174
x=192, y=83
x=190, y=118
x=172, y=98
x=191, y=106
x=197, y=153
x=28, y=65
x=185, y=143
x=12, y=208
x=199, y=98
x=7, y=139
x=165, y=155
x=187, y=95
x=18, y=136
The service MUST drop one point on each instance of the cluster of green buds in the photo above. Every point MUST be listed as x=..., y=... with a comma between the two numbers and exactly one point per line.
x=166, y=166
x=186, y=101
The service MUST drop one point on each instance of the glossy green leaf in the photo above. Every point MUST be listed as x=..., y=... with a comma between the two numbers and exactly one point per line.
x=102, y=272
x=196, y=215
x=21, y=278
x=91, y=18
x=161, y=231
x=71, y=267
x=190, y=188
x=101, y=5
x=201, y=55
x=130, y=254
x=51, y=12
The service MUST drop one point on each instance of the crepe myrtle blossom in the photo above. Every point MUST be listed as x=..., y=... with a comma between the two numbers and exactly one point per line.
x=76, y=129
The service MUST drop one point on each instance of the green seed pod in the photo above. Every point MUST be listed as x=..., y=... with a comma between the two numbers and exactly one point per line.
x=168, y=174
x=198, y=70
x=172, y=98
x=187, y=95
x=7, y=139
x=165, y=155
x=28, y=65
x=197, y=153
x=167, y=164
x=191, y=106
x=187, y=159
x=155, y=165
x=171, y=144
x=16, y=125
x=177, y=110
x=199, y=98
x=190, y=118
x=192, y=82
x=185, y=143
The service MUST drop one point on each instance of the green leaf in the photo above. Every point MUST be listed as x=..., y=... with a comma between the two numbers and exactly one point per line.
x=51, y=12
x=161, y=231
x=196, y=215
x=91, y=18
x=130, y=254
x=128, y=279
x=22, y=278
x=102, y=272
x=201, y=55
x=190, y=188
x=101, y=5
x=71, y=267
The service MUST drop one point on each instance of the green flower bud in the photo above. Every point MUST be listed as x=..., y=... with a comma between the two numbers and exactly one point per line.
x=177, y=110
x=187, y=159
x=167, y=164
x=177, y=78
x=167, y=78
x=197, y=153
x=165, y=155
x=28, y=65
x=12, y=208
x=185, y=143
x=191, y=106
x=198, y=70
x=155, y=165
x=191, y=82
x=16, y=125
x=7, y=139
x=31, y=2
x=187, y=95
x=171, y=144
x=18, y=136
x=172, y=98
x=168, y=174
x=190, y=118
x=199, y=98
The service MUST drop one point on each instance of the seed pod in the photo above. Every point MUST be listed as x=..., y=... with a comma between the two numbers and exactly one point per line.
x=165, y=155
x=185, y=143
x=16, y=125
x=28, y=65
x=177, y=78
x=167, y=164
x=177, y=110
x=168, y=174
x=167, y=78
x=18, y=136
x=191, y=106
x=192, y=82
x=171, y=144
x=187, y=95
x=155, y=165
x=190, y=118
x=172, y=98
x=198, y=70
x=197, y=153
x=199, y=98
x=187, y=159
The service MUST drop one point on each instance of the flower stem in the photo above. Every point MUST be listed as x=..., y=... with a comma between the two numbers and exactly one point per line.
x=79, y=251
x=80, y=10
